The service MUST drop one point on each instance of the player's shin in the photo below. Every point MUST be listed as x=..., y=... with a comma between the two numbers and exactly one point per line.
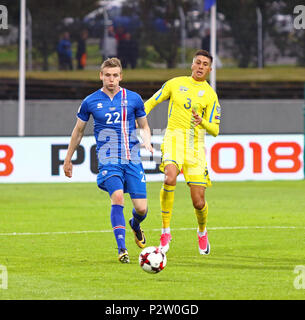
x=202, y=217
x=118, y=225
x=137, y=219
x=167, y=195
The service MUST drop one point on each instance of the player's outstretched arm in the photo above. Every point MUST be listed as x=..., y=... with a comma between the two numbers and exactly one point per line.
x=160, y=96
x=145, y=133
x=76, y=137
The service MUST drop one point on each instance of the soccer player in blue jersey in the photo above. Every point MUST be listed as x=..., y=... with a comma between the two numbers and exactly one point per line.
x=115, y=111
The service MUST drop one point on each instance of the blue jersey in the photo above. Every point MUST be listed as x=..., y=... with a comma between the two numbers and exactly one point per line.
x=114, y=124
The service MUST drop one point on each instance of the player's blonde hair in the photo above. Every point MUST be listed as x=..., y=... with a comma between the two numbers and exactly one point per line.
x=111, y=63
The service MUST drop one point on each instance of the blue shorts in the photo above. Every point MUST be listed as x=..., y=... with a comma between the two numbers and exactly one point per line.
x=132, y=176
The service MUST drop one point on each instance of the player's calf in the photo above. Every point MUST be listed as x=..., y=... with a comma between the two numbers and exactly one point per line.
x=138, y=235
x=134, y=223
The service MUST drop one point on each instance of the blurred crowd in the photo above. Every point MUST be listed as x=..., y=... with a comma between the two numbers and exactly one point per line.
x=114, y=43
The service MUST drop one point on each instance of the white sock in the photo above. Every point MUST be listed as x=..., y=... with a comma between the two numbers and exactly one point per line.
x=202, y=233
x=166, y=230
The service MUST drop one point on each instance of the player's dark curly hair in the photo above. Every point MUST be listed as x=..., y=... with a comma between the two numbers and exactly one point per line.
x=204, y=53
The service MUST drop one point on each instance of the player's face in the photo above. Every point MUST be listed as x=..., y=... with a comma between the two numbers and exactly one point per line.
x=111, y=78
x=201, y=67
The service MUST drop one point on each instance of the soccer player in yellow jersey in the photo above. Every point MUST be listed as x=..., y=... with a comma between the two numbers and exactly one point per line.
x=193, y=110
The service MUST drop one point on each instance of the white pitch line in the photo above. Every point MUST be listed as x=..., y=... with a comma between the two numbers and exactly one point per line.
x=178, y=229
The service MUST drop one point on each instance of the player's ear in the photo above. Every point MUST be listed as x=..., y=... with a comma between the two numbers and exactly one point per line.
x=101, y=75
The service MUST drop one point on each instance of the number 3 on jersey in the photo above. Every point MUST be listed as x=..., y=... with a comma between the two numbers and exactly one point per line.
x=189, y=104
x=115, y=115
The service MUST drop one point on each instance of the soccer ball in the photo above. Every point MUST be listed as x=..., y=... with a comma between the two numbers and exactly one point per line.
x=152, y=260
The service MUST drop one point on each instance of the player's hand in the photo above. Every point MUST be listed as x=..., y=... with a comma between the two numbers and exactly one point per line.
x=197, y=118
x=148, y=147
x=68, y=169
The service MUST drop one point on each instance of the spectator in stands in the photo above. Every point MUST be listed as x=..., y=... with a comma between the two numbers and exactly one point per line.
x=64, y=52
x=81, y=53
x=205, y=43
x=120, y=33
x=120, y=36
x=109, y=44
x=128, y=51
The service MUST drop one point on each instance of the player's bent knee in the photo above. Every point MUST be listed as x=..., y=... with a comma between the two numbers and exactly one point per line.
x=117, y=197
x=141, y=211
x=170, y=179
x=198, y=203
x=171, y=173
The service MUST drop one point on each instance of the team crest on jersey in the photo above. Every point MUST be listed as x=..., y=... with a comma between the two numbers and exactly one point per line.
x=183, y=89
x=99, y=105
x=124, y=103
x=200, y=93
x=104, y=172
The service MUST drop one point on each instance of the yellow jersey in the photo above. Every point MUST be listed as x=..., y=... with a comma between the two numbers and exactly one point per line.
x=186, y=94
x=183, y=143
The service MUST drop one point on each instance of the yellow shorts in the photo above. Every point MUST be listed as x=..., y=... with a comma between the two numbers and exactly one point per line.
x=176, y=150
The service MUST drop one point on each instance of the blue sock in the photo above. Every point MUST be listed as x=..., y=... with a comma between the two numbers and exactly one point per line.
x=137, y=219
x=118, y=225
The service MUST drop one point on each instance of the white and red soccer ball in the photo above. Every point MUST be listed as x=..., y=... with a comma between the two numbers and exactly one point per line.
x=152, y=260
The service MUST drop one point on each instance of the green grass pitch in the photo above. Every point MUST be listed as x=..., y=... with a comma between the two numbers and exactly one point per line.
x=57, y=243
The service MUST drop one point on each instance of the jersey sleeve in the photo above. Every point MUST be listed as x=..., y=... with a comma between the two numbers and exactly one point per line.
x=83, y=112
x=213, y=113
x=160, y=96
x=211, y=119
x=139, y=109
